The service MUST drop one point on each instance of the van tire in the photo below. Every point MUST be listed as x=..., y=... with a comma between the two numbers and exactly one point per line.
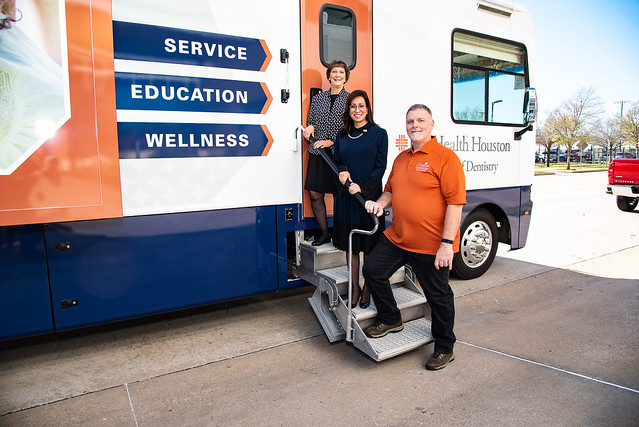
x=627, y=204
x=477, y=245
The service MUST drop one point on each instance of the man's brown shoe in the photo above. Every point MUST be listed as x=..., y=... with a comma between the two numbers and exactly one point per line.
x=439, y=361
x=382, y=329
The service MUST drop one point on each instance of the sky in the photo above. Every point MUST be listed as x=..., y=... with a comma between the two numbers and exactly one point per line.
x=583, y=43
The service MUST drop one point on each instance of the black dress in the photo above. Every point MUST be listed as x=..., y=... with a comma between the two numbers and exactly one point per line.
x=364, y=154
x=325, y=114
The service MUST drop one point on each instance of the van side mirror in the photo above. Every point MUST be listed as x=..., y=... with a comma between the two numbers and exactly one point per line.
x=530, y=106
x=530, y=112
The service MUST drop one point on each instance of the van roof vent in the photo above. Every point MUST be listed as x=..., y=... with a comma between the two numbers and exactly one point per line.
x=498, y=7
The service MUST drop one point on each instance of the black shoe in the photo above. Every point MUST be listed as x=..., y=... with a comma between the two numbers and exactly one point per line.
x=354, y=304
x=321, y=241
x=365, y=291
x=381, y=329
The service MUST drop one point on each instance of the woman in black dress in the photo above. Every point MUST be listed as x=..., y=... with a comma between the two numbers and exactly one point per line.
x=324, y=120
x=361, y=150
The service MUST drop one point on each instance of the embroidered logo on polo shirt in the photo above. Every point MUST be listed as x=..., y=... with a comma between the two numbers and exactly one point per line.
x=422, y=167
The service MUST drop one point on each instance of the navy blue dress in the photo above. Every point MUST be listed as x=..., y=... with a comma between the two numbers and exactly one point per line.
x=363, y=153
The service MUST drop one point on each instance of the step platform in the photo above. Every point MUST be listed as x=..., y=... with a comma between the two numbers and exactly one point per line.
x=415, y=315
x=416, y=333
x=324, y=266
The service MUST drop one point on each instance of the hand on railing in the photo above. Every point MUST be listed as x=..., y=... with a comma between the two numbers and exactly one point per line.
x=357, y=194
x=309, y=132
x=374, y=208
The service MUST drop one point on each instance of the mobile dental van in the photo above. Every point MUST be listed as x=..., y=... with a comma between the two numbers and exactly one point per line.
x=170, y=172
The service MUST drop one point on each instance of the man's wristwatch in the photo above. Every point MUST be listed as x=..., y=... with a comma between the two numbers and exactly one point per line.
x=450, y=242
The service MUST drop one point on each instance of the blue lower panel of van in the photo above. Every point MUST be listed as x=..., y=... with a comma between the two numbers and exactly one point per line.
x=524, y=222
x=513, y=202
x=112, y=269
x=25, y=306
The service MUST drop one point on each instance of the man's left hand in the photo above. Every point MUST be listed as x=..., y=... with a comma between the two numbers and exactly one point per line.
x=444, y=256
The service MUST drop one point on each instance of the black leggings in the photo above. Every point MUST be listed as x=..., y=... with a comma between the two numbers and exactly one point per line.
x=319, y=210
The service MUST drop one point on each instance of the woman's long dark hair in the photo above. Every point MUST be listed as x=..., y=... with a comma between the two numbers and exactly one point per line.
x=349, y=125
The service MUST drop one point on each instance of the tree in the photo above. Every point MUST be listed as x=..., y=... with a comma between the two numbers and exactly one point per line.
x=569, y=122
x=607, y=136
x=583, y=140
x=630, y=126
x=544, y=139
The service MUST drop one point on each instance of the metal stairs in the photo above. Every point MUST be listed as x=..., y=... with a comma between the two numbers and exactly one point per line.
x=325, y=267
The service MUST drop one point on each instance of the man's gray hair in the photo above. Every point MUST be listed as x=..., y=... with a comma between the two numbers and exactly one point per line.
x=419, y=107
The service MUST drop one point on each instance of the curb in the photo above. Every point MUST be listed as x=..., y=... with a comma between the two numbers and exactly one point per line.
x=565, y=171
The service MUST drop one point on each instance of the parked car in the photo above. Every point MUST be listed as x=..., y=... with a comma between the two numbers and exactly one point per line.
x=557, y=156
x=540, y=158
x=583, y=156
x=625, y=156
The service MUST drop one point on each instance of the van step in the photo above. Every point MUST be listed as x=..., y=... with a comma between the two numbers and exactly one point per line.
x=315, y=258
x=415, y=311
x=416, y=333
x=404, y=297
x=339, y=275
x=324, y=266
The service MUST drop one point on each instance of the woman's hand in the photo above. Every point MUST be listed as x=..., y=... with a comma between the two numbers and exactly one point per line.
x=308, y=132
x=344, y=176
x=323, y=143
x=354, y=188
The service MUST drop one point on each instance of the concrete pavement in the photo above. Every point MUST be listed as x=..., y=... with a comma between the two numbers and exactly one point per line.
x=550, y=335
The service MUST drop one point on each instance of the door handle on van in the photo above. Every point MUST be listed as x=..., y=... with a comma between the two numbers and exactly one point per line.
x=298, y=138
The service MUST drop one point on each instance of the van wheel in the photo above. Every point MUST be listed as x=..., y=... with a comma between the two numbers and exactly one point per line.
x=627, y=204
x=477, y=246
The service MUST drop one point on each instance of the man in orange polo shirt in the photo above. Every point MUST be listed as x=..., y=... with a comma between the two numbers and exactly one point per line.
x=427, y=190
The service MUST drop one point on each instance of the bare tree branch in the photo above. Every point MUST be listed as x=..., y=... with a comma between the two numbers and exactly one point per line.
x=568, y=124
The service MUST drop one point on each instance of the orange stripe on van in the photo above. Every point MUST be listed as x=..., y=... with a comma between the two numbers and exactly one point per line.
x=269, y=98
x=267, y=60
x=269, y=139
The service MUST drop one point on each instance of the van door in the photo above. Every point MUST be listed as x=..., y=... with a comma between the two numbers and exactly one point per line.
x=340, y=29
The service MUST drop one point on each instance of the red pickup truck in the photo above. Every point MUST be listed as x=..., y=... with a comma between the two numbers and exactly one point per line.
x=623, y=182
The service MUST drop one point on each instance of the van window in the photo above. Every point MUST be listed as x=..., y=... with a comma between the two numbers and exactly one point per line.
x=337, y=35
x=489, y=79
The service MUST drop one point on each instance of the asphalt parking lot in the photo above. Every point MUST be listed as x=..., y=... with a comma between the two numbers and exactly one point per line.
x=549, y=336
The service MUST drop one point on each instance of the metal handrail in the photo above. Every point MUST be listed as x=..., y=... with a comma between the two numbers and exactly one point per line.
x=360, y=199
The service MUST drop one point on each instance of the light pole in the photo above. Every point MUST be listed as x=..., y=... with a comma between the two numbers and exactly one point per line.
x=620, y=120
x=492, y=109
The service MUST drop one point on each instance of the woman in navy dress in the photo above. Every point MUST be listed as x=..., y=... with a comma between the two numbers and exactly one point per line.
x=361, y=149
